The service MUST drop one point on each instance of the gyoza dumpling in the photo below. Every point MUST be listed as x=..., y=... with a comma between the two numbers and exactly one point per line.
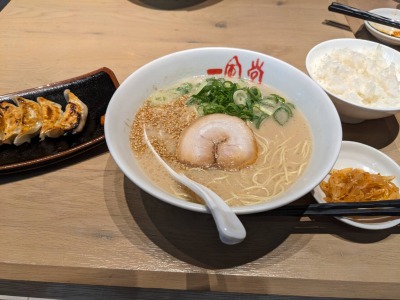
x=51, y=113
x=31, y=120
x=74, y=117
x=12, y=119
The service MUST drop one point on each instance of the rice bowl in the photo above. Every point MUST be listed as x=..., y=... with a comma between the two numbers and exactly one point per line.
x=361, y=77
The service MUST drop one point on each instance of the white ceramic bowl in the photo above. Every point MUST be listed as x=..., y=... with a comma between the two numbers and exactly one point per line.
x=351, y=112
x=382, y=32
x=311, y=100
x=357, y=155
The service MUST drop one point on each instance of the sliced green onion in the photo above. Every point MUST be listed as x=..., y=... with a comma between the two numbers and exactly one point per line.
x=218, y=95
x=269, y=102
x=255, y=93
x=258, y=120
x=185, y=88
x=267, y=109
x=291, y=105
x=282, y=115
x=276, y=98
x=240, y=97
x=228, y=84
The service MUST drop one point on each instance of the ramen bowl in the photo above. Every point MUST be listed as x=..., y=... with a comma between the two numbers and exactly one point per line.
x=348, y=68
x=314, y=104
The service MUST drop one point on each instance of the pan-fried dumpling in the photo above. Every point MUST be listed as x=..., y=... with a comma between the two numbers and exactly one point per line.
x=12, y=119
x=51, y=113
x=75, y=114
x=25, y=119
x=31, y=120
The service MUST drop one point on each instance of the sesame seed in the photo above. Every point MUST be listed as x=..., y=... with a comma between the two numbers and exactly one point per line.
x=164, y=124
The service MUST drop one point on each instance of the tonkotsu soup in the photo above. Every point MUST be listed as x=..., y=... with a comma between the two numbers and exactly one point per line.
x=268, y=150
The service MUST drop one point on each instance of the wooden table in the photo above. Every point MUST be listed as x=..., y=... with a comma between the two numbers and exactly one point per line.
x=82, y=221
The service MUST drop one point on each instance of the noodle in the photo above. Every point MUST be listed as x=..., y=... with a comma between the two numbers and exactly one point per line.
x=283, y=154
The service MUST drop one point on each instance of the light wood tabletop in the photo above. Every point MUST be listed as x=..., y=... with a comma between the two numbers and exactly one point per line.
x=82, y=221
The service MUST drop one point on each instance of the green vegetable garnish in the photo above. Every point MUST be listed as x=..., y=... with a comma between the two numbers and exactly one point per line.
x=185, y=88
x=223, y=96
x=282, y=115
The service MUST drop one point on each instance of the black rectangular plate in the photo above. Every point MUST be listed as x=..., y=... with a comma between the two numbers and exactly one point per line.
x=95, y=89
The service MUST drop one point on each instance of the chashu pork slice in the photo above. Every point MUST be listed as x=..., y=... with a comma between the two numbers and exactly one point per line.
x=12, y=120
x=31, y=120
x=75, y=114
x=52, y=113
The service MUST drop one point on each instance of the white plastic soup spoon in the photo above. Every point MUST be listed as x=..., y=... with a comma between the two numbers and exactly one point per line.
x=231, y=230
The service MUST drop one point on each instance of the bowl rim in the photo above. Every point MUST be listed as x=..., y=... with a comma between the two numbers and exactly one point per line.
x=384, y=36
x=352, y=41
x=144, y=185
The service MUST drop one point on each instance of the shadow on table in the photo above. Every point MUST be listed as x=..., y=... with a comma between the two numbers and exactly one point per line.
x=377, y=133
x=175, y=4
x=361, y=32
x=38, y=170
x=192, y=237
x=51, y=290
x=3, y=3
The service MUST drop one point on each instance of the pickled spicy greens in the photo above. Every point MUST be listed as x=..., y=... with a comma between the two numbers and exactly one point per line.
x=222, y=96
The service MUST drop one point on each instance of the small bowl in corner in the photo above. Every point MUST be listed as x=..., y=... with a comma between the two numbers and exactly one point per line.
x=386, y=34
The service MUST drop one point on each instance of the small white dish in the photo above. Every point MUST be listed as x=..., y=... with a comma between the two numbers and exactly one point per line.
x=369, y=159
x=384, y=33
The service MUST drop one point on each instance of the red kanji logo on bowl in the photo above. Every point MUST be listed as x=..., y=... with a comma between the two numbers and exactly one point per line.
x=256, y=71
x=233, y=68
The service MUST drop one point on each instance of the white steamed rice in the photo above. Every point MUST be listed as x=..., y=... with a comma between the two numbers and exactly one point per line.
x=363, y=77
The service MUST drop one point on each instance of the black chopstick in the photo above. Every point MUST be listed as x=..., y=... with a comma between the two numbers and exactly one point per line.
x=337, y=25
x=362, y=14
x=373, y=208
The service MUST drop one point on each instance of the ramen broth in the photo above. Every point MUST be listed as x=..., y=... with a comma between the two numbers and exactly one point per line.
x=283, y=151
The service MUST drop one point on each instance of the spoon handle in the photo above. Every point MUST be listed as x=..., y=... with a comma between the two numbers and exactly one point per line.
x=362, y=14
x=231, y=230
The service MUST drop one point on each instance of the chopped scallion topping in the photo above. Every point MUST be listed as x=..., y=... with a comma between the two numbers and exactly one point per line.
x=248, y=103
x=184, y=88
